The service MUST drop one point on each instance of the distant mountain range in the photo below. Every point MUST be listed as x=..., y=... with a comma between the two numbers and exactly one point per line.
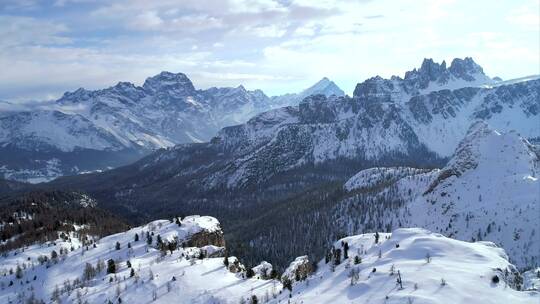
x=86, y=131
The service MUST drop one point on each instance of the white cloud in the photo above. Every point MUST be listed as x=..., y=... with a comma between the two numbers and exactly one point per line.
x=17, y=31
x=279, y=46
x=147, y=21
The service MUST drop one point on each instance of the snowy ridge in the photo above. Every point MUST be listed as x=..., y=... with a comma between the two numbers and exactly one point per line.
x=370, y=178
x=493, y=194
x=487, y=191
x=457, y=272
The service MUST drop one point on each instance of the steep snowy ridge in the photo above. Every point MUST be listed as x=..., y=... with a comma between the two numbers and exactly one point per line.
x=487, y=191
x=492, y=193
x=379, y=176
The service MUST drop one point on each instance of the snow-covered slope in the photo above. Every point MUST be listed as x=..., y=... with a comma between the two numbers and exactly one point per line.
x=489, y=190
x=191, y=273
x=457, y=272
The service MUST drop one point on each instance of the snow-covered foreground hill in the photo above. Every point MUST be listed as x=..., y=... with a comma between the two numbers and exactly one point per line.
x=433, y=269
x=128, y=267
x=192, y=273
x=489, y=190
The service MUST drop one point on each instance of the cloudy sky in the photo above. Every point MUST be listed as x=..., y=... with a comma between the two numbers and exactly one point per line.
x=48, y=47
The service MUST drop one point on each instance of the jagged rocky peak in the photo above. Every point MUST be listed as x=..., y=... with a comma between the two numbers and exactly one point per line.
x=125, y=86
x=429, y=69
x=81, y=94
x=465, y=68
x=431, y=76
x=375, y=87
x=167, y=81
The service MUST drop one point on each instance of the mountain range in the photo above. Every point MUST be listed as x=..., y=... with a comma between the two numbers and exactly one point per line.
x=287, y=167
x=86, y=131
x=429, y=184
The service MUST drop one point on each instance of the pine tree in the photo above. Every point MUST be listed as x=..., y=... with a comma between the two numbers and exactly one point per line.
x=254, y=299
x=376, y=237
x=111, y=266
x=287, y=284
x=297, y=277
x=226, y=260
x=19, y=272
x=100, y=265
x=357, y=260
x=249, y=273
x=346, y=250
x=89, y=272
x=132, y=273
x=136, y=237
x=337, y=257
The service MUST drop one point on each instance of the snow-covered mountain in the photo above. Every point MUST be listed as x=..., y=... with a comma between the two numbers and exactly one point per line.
x=324, y=87
x=385, y=119
x=182, y=261
x=95, y=130
x=489, y=190
x=291, y=163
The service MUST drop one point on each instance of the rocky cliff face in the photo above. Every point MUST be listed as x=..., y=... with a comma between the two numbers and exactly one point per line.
x=205, y=238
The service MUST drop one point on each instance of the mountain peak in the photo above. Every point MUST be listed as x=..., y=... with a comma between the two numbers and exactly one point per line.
x=431, y=76
x=465, y=68
x=325, y=87
x=432, y=69
x=177, y=82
